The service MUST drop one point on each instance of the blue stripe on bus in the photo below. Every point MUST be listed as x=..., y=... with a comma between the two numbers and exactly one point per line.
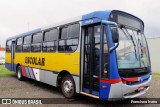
x=113, y=66
x=31, y=73
x=98, y=16
x=8, y=66
x=86, y=90
x=15, y=67
x=95, y=93
x=27, y=72
x=90, y=21
x=104, y=92
x=113, y=61
x=143, y=78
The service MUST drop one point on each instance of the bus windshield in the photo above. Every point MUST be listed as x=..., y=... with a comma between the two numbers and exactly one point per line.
x=132, y=51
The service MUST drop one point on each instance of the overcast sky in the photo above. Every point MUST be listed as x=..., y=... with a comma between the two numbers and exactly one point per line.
x=18, y=16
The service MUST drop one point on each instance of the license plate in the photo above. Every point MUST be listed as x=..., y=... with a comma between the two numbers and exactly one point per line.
x=141, y=88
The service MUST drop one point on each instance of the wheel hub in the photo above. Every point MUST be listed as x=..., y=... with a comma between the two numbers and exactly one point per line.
x=19, y=74
x=68, y=86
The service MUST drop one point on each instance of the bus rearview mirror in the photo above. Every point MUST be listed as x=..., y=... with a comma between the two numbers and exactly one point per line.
x=115, y=35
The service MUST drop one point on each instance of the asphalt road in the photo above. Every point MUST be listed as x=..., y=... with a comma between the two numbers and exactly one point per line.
x=10, y=87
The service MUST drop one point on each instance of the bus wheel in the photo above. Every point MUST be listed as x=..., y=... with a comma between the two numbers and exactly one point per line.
x=19, y=73
x=68, y=86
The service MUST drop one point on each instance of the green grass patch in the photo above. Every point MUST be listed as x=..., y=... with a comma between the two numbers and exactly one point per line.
x=5, y=72
x=157, y=75
x=8, y=88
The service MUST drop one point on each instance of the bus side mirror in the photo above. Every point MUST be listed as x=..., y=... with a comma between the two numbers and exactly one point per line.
x=114, y=31
x=115, y=34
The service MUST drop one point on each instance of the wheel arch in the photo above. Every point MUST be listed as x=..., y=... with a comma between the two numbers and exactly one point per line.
x=75, y=78
x=18, y=64
x=61, y=75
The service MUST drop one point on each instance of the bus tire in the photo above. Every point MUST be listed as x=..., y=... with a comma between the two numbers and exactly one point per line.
x=19, y=73
x=68, y=86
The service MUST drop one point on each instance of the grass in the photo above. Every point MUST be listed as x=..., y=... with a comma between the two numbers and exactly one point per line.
x=156, y=75
x=4, y=88
x=5, y=73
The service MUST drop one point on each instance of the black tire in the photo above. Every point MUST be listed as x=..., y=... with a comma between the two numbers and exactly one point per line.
x=19, y=73
x=68, y=86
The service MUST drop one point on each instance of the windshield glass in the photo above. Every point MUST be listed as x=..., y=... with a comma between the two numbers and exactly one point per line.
x=132, y=51
x=144, y=55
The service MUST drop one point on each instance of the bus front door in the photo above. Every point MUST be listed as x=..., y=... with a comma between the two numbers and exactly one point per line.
x=12, y=55
x=90, y=58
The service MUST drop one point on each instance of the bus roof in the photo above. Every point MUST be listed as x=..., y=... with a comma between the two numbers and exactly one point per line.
x=103, y=15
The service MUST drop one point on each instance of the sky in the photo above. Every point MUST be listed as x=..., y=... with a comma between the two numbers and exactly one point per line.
x=19, y=16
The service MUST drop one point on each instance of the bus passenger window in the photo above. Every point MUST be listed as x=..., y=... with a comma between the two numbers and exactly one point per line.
x=61, y=46
x=50, y=38
x=19, y=45
x=71, y=44
x=26, y=43
x=69, y=38
x=8, y=46
x=36, y=42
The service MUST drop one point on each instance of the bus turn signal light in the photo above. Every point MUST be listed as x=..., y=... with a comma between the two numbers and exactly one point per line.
x=104, y=86
x=141, y=88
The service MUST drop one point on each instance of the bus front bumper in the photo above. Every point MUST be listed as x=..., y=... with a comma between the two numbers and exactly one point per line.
x=120, y=91
x=131, y=91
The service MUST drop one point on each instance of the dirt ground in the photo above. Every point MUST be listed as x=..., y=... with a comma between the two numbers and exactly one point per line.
x=10, y=87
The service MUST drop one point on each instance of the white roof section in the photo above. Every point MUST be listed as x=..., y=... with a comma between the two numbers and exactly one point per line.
x=75, y=19
x=47, y=27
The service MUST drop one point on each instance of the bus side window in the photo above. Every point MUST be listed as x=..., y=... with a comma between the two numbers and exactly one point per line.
x=69, y=37
x=19, y=45
x=26, y=43
x=50, y=38
x=8, y=46
x=36, y=42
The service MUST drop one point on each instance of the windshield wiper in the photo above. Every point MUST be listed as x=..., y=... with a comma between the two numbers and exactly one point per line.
x=129, y=37
x=139, y=42
x=133, y=43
